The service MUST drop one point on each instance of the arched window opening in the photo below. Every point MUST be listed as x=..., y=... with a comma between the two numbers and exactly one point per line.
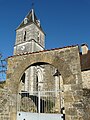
x=22, y=83
x=23, y=78
x=36, y=82
x=25, y=36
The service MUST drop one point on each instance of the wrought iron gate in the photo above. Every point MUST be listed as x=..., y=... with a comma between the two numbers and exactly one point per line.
x=39, y=105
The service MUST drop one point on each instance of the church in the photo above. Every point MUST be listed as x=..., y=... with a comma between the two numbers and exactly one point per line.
x=45, y=84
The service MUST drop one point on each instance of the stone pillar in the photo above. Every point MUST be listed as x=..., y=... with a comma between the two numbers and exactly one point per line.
x=73, y=96
x=13, y=106
x=13, y=113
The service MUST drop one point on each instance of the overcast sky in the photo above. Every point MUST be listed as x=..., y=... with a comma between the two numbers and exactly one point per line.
x=65, y=22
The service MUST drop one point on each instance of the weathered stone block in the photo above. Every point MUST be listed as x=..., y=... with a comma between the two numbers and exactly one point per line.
x=68, y=97
x=75, y=87
x=71, y=111
x=86, y=92
x=78, y=105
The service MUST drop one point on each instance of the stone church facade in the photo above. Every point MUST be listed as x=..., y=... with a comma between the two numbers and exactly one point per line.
x=32, y=68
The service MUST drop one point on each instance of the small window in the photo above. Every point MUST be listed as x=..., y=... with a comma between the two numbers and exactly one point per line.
x=25, y=36
x=36, y=82
x=23, y=78
x=38, y=38
x=25, y=20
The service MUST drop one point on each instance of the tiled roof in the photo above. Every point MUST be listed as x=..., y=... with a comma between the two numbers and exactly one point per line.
x=46, y=50
x=30, y=20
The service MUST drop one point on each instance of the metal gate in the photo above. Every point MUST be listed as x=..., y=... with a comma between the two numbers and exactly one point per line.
x=39, y=105
x=36, y=116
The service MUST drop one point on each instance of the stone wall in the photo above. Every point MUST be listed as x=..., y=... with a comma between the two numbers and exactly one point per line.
x=86, y=102
x=86, y=93
x=67, y=61
x=86, y=79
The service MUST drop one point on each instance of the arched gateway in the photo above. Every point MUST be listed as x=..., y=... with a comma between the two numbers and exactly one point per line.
x=67, y=62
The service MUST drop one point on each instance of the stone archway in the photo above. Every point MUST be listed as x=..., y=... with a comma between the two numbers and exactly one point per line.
x=59, y=61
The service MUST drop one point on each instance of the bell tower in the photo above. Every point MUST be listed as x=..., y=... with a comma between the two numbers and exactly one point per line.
x=30, y=36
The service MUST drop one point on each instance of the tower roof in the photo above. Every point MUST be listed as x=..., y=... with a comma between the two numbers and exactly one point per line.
x=30, y=18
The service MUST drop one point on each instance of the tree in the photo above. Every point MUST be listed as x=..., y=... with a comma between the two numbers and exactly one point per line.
x=3, y=68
